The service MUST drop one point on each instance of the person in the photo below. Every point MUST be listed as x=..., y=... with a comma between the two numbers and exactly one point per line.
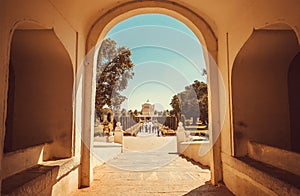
x=150, y=128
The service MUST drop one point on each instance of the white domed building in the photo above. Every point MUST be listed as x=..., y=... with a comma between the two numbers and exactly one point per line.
x=147, y=111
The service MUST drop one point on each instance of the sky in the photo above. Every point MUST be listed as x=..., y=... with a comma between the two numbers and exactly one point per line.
x=167, y=57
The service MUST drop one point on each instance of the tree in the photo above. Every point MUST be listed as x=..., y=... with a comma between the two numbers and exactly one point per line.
x=130, y=113
x=114, y=69
x=123, y=112
x=189, y=104
x=203, y=103
x=136, y=113
x=202, y=97
x=192, y=102
x=175, y=103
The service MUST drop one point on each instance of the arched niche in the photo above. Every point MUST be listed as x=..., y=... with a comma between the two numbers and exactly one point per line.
x=260, y=89
x=39, y=103
x=294, y=97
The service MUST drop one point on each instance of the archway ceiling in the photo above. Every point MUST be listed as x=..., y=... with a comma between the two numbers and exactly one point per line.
x=83, y=14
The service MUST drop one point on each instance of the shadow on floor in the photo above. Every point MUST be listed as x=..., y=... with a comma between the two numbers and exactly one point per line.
x=210, y=190
x=194, y=162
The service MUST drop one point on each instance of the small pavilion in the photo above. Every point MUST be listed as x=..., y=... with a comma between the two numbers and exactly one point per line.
x=147, y=111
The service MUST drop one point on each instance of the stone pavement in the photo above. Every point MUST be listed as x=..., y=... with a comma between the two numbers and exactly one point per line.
x=149, y=142
x=153, y=172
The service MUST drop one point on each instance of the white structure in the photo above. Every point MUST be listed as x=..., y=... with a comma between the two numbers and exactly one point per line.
x=147, y=111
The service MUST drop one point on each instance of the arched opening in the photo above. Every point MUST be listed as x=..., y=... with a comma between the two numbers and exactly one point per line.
x=39, y=104
x=162, y=49
x=204, y=33
x=207, y=38
x=264, y=83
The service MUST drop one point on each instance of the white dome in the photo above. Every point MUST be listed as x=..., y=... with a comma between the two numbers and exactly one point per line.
x=148, y=102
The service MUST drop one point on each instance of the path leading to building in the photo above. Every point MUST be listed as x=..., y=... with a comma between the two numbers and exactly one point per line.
x=147, y=171
x=150, y=142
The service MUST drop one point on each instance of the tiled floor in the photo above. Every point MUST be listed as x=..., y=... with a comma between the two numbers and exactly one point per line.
x=153, y=172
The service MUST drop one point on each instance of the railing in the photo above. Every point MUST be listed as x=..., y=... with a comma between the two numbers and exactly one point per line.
x=133, y=130
x=197, y=130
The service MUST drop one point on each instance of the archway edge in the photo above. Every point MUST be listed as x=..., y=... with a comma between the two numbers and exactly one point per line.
x=59, y=31
x=99, y=29
x=277, y=25
x=195, y=22
x=274, y=25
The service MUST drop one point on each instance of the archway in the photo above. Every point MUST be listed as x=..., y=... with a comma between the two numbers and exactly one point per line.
x=263, y=89
x=207, y=38
x=39, y=104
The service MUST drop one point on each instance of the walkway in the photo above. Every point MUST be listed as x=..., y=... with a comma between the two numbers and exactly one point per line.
x=151, y=172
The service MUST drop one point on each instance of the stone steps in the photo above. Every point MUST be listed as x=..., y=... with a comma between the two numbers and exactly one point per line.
x=282, y=182
x=31, y=181
x=39, y=179
x=258, y=178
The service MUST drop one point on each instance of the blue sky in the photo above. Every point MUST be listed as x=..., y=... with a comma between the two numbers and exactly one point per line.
x=167, y=57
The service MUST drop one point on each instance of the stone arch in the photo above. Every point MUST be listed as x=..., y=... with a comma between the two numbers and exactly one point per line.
x=195, y=22
x=40, y=88
x=260, y=98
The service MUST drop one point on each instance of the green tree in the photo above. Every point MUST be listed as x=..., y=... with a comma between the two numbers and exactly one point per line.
x=175, y=103
x=130, y=113
x=203, y=103
x=136, y=113
x=192, y=102
x=189, y=105
x=202, y=98
x=123, y=112
x=114, y=69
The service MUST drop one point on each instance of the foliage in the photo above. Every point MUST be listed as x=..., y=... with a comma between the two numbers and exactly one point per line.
x=175, y=103
x=114, y=69
x=123, y=112
x=136, y=113
x=202, y=98
x=166, y=131
x=192, y=102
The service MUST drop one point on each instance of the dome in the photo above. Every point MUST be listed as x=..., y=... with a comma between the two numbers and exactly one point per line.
x=148, y=102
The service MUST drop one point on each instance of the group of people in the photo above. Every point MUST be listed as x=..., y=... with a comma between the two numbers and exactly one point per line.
x=149, y=127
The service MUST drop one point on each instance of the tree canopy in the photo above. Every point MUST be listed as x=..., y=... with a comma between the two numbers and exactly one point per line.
x=192, y=102
x=114, y=69
x=175, y=103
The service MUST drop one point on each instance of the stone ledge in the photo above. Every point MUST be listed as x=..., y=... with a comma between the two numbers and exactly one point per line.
x=107, y=144
x=267, y=177
x=65, y=165
x=194, y=142
x=199, y=151
x=283, y=159
x=36, y=179
x=19, y=160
